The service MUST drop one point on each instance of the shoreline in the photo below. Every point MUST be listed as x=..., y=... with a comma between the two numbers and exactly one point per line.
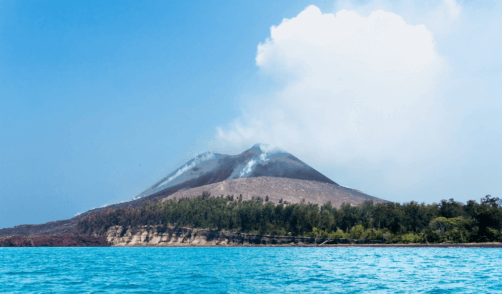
x=417, y=245
x=159, y=236
x=454, y=245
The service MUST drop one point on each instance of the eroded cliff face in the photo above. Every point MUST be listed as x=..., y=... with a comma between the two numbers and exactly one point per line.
x=172, y=236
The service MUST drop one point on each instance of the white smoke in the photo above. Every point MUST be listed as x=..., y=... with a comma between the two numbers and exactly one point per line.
x=248, y=168
x=196, y=161
x=264, y=157
x=269, y=148
x=356, y=89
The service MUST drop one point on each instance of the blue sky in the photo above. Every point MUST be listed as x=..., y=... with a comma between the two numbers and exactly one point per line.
x=98, y=100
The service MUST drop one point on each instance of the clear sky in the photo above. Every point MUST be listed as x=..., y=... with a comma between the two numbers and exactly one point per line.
x=99, y=99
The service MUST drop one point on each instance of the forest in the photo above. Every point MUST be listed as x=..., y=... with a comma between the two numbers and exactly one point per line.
x=448, y=221
x=68, y=240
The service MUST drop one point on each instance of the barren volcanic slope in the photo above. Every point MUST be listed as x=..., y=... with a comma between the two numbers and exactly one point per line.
x=290, y=190
x=258, y=171
x=259, y=161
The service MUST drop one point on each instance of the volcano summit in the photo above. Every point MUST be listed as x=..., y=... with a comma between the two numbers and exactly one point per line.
x=259, y=161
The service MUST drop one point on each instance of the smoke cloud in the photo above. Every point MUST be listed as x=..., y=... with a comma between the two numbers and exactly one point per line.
x=355, y=89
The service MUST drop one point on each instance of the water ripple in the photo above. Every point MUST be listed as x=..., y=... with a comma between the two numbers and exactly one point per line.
x=250, y=270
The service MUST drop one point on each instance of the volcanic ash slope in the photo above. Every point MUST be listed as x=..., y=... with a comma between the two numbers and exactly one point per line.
x=290, y=190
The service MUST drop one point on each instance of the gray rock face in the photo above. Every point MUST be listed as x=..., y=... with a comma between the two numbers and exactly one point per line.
x=259, y=161
x=290, y=190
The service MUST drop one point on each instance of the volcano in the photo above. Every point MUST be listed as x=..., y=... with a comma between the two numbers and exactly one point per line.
x=261, y=171
x=259, y=161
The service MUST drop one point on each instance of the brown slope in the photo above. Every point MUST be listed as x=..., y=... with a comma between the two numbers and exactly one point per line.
x=290, y=190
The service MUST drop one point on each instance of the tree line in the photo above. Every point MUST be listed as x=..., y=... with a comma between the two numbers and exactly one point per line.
x=54, y=241
x=447, y=221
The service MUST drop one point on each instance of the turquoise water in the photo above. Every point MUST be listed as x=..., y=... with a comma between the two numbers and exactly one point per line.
x=250, y=270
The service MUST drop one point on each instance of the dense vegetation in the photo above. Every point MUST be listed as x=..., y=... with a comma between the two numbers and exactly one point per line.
x=54, y=241
x=448, y=221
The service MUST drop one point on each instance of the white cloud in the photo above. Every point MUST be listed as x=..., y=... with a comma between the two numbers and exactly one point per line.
x=362, y=89
x=452, y=8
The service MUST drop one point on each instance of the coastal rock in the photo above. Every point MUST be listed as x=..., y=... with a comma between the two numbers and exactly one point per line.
x=176, y=236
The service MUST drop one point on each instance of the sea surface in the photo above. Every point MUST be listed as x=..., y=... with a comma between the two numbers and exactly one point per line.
x=250, y=270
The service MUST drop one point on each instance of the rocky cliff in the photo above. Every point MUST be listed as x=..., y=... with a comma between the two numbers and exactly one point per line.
x=172, y=236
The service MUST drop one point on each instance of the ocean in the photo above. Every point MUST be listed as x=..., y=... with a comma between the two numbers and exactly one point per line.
x=250, y=270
